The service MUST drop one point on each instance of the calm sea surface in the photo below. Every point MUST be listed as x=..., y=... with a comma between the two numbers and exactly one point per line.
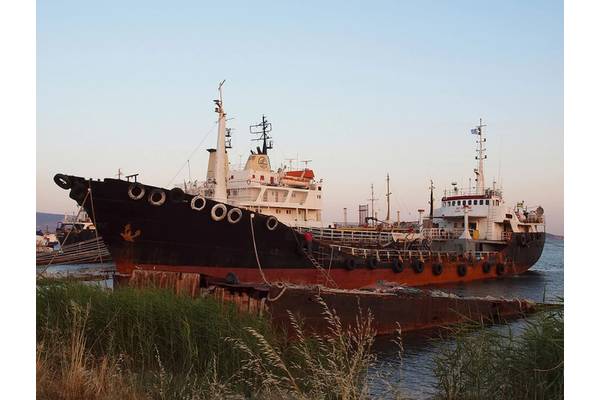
x=413, y=373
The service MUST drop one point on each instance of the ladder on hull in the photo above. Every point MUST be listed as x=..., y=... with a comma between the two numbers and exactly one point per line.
x=315, y=263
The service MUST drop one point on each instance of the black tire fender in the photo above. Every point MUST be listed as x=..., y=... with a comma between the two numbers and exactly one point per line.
x=350, y=264
x=136, y=187
x=437, y=269
x=461, y=270
x=272, y=223
x=154, y=201
x=214, y=212
x=417, y=265
x=234, y=215
x=372, y=262
x=486, y=267
x=198, y=203
x=397, y=266
x=500, y=269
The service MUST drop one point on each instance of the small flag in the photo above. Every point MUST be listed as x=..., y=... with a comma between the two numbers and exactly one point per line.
x=475, y=131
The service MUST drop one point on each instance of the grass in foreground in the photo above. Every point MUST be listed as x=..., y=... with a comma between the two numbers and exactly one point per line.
x=495, y=364
x=132, y=344
x=151, y=344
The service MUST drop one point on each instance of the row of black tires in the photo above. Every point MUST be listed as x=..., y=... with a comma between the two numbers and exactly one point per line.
x=418, y=266
x=218, y=212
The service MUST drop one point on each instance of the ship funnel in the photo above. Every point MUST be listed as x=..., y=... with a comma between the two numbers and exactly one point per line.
x=210, y=171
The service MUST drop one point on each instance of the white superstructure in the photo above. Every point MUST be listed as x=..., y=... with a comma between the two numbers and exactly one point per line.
x=480, y=213
x=293, y=196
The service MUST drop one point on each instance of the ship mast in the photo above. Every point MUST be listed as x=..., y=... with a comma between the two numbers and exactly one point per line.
x=431, y=200
x=387, y=195
x=479, y=176
x=220, y=187
x=372, y=204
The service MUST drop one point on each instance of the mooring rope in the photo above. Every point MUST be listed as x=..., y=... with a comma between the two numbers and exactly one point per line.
x=283, y=289
x=43, y=271
x=256, y=251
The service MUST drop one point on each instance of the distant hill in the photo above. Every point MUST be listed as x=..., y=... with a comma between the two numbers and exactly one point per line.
x=43, y=220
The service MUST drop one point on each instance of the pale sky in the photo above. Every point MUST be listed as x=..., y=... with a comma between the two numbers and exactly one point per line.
x=360, y=89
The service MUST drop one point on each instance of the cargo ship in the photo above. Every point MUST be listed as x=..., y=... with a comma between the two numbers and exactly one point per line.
x=250, y=225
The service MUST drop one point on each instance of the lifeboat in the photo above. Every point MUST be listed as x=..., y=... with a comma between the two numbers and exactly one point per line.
x=299, y=178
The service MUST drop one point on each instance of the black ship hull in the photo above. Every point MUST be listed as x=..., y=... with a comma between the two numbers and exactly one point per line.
x=150, y=228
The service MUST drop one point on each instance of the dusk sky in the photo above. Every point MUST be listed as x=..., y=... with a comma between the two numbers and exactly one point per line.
x=360, y=88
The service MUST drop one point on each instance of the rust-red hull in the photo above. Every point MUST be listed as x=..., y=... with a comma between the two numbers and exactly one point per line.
x=343, y=279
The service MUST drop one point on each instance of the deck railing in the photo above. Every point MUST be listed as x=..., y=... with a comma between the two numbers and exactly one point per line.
x=444, y=234
x=348, y=236
x=423, y=255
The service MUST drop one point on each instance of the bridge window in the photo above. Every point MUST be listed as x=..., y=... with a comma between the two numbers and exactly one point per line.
x=487, y=202
x=453, y=202
x=480, y=202
x=262, y=177
x=469, y=202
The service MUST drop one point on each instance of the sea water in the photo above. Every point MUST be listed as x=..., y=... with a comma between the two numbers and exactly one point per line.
x=413, y=371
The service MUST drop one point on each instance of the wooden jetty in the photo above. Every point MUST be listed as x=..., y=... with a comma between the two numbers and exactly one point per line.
x=392, y=306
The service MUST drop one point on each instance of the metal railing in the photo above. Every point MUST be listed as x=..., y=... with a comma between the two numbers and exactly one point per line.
x=444, y=234
x=472, y=191
x=348, y=236
x=422, y=255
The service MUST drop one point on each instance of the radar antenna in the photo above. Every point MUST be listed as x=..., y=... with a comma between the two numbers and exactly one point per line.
x=263, y=129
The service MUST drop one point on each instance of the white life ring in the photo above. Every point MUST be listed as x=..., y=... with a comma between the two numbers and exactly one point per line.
x=134, y=186
x=195, y=200
x=272, y=223
x=216, y=207
x=160, y=201
x=234, y=215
